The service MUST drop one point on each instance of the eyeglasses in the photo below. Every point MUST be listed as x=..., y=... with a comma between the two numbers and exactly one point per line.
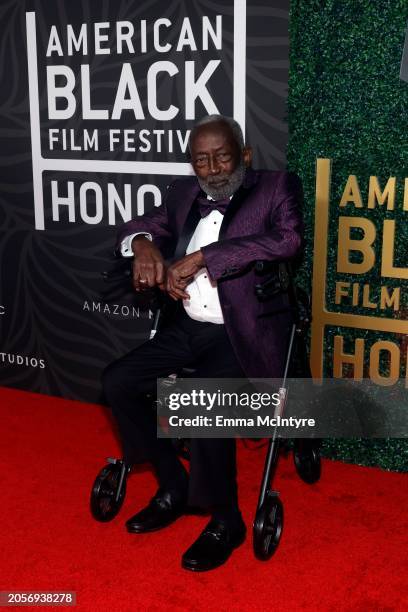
x=203, y=161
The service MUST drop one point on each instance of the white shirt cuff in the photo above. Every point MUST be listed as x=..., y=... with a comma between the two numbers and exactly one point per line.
x=126, y=244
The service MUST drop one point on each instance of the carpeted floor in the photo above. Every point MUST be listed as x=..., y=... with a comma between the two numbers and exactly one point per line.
x=344, y=545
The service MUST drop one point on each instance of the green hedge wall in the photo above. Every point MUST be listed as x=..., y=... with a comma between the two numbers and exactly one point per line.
x=347, y=102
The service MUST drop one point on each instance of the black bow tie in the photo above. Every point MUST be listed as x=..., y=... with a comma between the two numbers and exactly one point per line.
x=206, y=206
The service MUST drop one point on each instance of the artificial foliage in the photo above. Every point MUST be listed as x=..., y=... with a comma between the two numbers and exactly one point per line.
x=347, y=102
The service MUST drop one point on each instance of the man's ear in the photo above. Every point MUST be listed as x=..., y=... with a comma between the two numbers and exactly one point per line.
x=247, y=156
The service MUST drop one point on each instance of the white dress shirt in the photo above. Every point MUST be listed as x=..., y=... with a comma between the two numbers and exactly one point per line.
x=204, y=304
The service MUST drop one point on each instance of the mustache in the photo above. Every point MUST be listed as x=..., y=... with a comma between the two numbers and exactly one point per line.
x=217, y=180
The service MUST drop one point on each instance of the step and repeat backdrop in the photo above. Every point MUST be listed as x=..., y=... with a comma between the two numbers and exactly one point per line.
x=97, y=100
x=348, y=110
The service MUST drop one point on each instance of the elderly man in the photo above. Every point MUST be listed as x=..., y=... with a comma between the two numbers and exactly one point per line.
x=216, y=224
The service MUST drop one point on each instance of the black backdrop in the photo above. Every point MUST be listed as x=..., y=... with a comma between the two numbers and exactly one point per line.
x=58, y=330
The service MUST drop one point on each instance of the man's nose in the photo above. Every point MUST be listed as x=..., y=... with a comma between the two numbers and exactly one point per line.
x=214, y=167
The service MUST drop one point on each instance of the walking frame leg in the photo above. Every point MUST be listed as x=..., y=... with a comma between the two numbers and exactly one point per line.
x=274, y=442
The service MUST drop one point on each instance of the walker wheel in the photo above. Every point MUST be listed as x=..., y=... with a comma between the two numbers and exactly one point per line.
x=306, y=456
x=268, y=527
x=104, y=505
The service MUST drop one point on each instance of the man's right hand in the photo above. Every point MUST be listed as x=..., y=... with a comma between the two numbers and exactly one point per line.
x=148, y=265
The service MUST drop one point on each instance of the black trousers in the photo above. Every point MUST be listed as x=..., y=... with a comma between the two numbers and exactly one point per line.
x=183, y=343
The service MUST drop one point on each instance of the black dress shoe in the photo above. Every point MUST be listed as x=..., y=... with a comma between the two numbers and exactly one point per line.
x=163, y=509
x=214, y=546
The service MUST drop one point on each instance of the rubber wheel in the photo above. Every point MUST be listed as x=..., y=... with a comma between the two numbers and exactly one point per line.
x=104, y=506
x=268, y=527
x=307, y=461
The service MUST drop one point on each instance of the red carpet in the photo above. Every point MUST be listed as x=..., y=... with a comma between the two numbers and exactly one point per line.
x=344, y=545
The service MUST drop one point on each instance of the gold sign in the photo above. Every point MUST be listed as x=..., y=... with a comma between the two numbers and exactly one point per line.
x=356, y=255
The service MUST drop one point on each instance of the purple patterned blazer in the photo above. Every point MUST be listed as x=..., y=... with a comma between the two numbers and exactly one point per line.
x=262, y=221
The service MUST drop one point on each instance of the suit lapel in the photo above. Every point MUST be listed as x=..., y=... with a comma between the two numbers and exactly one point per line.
x=237, y=200
x=192, y=219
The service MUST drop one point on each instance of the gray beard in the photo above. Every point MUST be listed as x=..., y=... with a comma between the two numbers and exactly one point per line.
x=234, y=182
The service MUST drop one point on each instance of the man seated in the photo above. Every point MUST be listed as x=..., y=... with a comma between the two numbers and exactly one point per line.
x=218, y=224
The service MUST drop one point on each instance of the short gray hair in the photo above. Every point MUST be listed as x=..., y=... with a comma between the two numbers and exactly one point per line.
x=229, y=121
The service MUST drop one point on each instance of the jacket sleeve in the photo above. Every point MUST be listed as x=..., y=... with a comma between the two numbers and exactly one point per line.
x=154, y=222
x=282, y=242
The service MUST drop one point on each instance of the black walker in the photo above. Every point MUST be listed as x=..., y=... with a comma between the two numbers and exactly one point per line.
x=109, y=489
x=268, y=522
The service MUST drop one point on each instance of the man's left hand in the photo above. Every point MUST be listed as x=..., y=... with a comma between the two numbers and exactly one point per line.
x=181, y=273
